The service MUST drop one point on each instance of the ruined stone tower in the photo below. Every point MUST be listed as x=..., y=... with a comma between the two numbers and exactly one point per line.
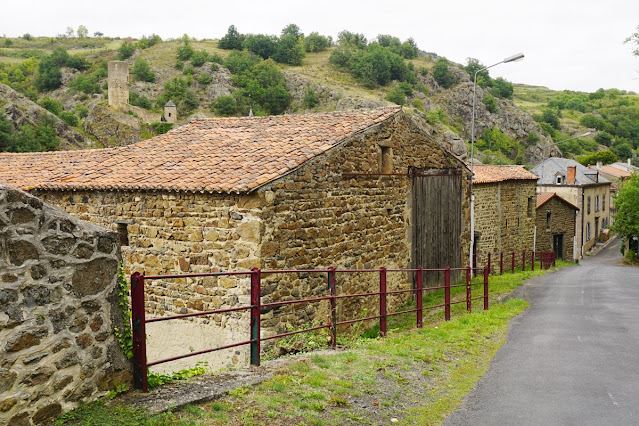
x=170, y=112
x=118, y=84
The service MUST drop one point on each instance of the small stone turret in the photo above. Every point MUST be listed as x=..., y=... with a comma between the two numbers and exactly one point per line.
x=170, y=112
x=118, y=84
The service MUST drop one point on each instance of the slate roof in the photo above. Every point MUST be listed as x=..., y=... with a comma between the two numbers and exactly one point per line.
x=208, y=155
x=548, y=169
x=489, y=173
x=544, y=197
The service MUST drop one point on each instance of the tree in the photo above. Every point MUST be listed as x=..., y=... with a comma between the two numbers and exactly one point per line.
x=289, y=50
x=549, y=116
x=442, y=74
x=606, y=157
x=199, y=58
x=623, y=149
x=293, y=30
x=98, y=34
x=125, y=51
x=626, y=202
x=634, y=39
x=311, y=100
x=502, y=88
x=27, y=37
x=352, y=39
x=397, y=95
x=225, y=106
x=185, y=51
x=49, y=75
x=233, y=40
x=314, y=42
x=603, y=138
x=69, y=33
x=82, y=32
x=262, y=45
x=142, y=71
x=177, y=90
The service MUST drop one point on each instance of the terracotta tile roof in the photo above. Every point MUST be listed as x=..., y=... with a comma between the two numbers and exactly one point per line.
x=212, y=155
x=544, y=197
x=488, y=173
x=614, y=171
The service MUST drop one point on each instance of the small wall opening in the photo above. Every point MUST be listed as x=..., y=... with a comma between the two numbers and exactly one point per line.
x=548, y=219
x=386, y=159
x=123, y=232
x=530, y=206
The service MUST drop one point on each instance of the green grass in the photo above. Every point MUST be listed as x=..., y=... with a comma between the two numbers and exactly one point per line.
x=416, y=375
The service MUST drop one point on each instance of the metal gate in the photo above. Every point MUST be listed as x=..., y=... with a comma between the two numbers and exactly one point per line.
x=437, y=221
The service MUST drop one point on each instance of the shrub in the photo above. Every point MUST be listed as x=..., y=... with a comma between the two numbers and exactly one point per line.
x=189, y=70
x=70, y=118
x=216, y=58
x=289, y=51
x=28, y=138
x=397, y=95
x=146, y=42
x=239, y=62
x=51, y=105
x=161, y=127
x=442, y=74
x=199, y=58
x=125, y=51
x=592, y=121
x=204, y=78
x=86, y=84
x=225, y=106
x=81, y=110
x=490, y=103
x=311, y=100
x=418, y=103
x=623, y=149
x=49, y=75
x=233, y=40
x=262, y=45
x=185, y=51
x=436, y=115
x=314, y=42
x=550, y=117
x=502, y=88
x=177, y=91
x=342, y=56
x=352, y=39
x=139, y=100
x=606, y=157
x=142, y=71
x=603, y=138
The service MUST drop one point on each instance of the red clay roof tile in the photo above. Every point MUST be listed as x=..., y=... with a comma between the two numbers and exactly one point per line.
x=213, y=155
x=489, y=173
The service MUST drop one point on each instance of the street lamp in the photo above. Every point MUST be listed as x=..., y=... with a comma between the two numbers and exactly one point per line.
x=513, y=58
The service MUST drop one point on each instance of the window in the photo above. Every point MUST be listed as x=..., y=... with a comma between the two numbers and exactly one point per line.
x=386, y=159
x=530, y=206
x=558, y=179
x=548, y=220
x=603, y=203
x=597, y=203
x=588, y=232
x=588, y=208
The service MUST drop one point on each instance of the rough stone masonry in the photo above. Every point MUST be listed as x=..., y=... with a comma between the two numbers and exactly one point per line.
x=58, y=310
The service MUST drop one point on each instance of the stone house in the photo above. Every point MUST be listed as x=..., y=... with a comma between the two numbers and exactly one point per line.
x=555, y=221
x=504, y=210
x=582, y=187
x=350, y=189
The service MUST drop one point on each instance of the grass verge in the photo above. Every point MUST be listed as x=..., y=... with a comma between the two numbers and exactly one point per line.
x=412, y=375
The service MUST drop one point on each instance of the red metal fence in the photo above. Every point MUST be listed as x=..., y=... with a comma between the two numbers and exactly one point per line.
x=139, y=321
x=546, y=259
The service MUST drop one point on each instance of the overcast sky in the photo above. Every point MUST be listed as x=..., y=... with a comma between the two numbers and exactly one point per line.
x=569, y=44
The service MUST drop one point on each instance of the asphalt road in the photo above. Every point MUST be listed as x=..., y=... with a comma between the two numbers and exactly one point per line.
x=572, y=358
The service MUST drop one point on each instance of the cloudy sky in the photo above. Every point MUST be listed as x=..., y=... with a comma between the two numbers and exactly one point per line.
x=569, y=44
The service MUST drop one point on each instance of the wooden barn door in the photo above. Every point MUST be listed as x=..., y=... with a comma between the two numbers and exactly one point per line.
x=437, y=221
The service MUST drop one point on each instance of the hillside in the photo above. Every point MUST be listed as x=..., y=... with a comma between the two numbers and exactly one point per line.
x=273, y=75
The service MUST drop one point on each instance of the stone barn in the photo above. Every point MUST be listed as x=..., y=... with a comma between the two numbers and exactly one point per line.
x=351, y=189
x=504, y=210
x=556, y=224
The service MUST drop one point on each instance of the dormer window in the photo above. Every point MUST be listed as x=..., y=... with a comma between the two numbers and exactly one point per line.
x=558, y=179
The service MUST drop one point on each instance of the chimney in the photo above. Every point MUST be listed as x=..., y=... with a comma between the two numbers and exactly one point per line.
x=628, y=161
x=570, y=178
x=599, y=164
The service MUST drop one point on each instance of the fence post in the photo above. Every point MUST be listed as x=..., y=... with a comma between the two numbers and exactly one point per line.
x=501, y=263
x=486, y=272
x=523, y=260
x=420, y=287
x=489, y=262
x=532, y=259
x=256, y=278
x=382, y=301
x=468, y=290
x=139, y=332
x=333, y=310
x=513, y=263
x=447, y=293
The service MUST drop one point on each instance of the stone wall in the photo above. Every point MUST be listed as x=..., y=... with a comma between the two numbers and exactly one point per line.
x=505, y=217
x=319, y=218
x=58, y=309
x=562, y=221
x=312, y=218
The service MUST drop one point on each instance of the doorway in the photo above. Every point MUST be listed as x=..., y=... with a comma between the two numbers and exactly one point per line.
x=558, y=245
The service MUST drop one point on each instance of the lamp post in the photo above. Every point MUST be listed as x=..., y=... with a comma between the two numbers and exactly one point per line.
x=517, y=57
